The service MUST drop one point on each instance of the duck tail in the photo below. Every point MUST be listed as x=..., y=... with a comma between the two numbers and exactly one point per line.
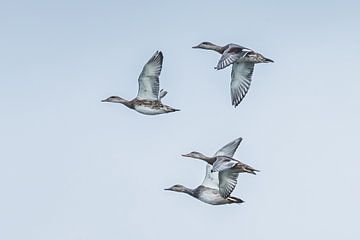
x=251, y=170
x=267, y=60
x=246, y=168
x=170, y=109
x=234, y=200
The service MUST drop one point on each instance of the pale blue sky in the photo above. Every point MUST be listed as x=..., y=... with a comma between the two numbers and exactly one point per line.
x=72, y=167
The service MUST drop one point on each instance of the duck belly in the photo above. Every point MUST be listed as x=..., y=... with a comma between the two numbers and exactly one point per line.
x=212, y=197
x=148, y=110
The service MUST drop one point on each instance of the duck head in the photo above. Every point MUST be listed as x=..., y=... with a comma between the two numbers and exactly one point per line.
x=195, y=155
x=205, y=45
x=177, y=188
x=114, y=99
x=181, y=188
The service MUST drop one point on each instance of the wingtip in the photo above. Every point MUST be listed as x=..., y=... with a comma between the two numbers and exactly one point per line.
x=158, y=53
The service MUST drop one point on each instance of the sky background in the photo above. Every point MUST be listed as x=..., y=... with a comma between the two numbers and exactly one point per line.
x=74, y=168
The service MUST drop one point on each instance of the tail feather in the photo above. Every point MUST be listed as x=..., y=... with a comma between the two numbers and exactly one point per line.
x=251, y=170
x=267, y=60
x=170, y=109
x=246, y=168
x=234, y=200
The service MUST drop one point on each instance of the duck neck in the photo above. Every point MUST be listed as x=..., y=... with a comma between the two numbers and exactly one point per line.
x=129, y=104
x=215, y=48
x=188, y=191
x=209, y=160
x=125, y=102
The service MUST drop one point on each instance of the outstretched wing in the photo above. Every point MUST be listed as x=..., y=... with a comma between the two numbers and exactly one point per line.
x=227, y=182
x=211, y=179
x=229, y=149
x=240, y=81
x=232, y=54
x=223, y=163
x=149, y=78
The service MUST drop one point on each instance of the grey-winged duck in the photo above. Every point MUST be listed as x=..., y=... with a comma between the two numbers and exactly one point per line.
x=148, y=100
x=221, y=161
x=243, y=60
x=217, y=185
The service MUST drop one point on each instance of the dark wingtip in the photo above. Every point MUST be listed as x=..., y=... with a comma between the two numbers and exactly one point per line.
x=160, y=54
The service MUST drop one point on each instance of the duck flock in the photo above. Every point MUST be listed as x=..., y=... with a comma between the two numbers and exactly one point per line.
x=222, y=170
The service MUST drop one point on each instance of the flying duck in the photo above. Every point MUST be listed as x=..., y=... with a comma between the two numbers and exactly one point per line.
x=148, y=100
x=221, y=161
x=243, y=60
x=217, y=185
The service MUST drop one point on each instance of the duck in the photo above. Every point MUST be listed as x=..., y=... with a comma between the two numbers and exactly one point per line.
x=243, y=60
x=148, y=99
x=221, y=161
x=218, y=185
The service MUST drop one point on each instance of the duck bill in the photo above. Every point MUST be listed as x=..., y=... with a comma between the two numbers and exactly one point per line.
x=105, y=100
x=197, y=46
x=186, y=155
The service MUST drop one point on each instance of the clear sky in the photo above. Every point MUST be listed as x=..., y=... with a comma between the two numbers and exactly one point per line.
x=74, y=168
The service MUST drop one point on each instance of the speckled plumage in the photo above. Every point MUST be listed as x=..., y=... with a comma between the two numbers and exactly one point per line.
x=243, y=60
x=216, y=186
x=148, y=100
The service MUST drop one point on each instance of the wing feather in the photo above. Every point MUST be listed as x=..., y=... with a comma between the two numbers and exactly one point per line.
x=232, y=54
x=223, y=163
x=211, y=179
x=149, y=78
x=229, y=149
x=240, y=81
x=227, y=182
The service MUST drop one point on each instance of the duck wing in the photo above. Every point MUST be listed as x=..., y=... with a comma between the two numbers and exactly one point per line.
x=211, y=179
x=223, y=163
x=232, y=54
x=227, y=175
x=229, y=149
x=240, y=81
x=149, y=78
x=227, y=182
